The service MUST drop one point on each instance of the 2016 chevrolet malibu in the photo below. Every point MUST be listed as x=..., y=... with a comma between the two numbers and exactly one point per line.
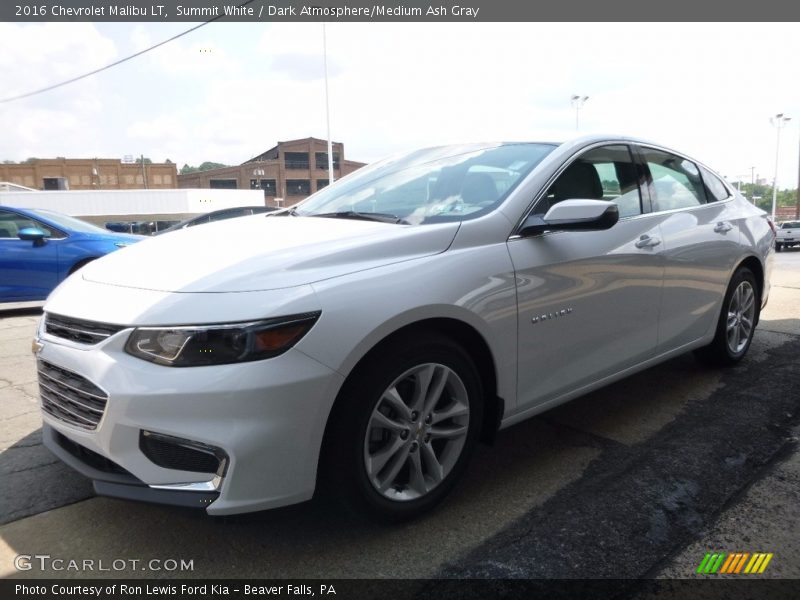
x=365, y=340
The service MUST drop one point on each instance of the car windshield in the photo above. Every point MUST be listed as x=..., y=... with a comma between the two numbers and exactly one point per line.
x=67, y=222
x=791, y=224
x=428, y=186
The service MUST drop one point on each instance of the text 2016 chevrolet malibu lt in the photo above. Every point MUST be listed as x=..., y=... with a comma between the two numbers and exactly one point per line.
x=365, y=340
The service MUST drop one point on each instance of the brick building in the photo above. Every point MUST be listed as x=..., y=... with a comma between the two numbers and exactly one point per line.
x=89, y=174
x=287, y=173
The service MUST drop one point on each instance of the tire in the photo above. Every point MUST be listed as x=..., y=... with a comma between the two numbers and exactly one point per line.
x=387, y=454
x=737, y=321
x=778, y=247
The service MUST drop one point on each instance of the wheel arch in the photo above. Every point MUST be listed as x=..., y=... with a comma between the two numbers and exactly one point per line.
x=469, y=338
x=754, y=264
x=81, y=263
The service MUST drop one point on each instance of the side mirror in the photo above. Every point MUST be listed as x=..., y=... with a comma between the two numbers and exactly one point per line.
x=32, y=234
x=573, y=215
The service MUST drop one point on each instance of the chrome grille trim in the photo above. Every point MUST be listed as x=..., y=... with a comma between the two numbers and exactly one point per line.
x=78, y=330
x=70, y=397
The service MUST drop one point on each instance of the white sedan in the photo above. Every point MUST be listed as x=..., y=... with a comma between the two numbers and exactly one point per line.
x=362, y=342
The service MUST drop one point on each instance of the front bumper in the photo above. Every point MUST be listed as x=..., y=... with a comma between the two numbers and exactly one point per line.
x=267, y=416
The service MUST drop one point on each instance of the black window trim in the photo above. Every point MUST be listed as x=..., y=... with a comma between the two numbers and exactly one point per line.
x=641, y=145
x=64, y=234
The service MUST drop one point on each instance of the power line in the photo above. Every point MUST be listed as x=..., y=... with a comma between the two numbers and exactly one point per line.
x=115, y=63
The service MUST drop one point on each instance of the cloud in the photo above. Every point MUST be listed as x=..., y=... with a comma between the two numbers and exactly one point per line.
x=33, y=56
x=228, y=91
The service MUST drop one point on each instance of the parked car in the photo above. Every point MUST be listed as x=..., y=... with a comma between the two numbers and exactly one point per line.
x=39, y=248
x=139, y=227
x=361, y=343
x=788, y=235
x=217, y=215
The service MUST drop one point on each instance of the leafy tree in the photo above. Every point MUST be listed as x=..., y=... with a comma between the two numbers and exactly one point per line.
x=206, y=166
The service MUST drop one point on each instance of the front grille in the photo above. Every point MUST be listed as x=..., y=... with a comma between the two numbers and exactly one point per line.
x=185, y=455
x=78, y=330
x=69, y=397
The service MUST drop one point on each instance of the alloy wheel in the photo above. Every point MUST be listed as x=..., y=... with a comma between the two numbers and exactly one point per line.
x=741, y=315
x=416, y=432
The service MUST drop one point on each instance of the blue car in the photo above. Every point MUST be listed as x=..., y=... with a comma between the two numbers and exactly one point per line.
x=40, y=248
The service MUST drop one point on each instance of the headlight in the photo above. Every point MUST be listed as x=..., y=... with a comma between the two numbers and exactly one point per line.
x=194, y=346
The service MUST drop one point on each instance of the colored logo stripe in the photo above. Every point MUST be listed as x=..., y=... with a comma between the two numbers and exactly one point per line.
x=733, y=563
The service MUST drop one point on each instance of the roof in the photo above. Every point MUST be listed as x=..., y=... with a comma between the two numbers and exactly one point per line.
x=272, y=153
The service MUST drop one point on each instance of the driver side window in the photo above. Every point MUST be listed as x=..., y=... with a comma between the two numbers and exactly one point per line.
x=606, y=173
x=11, y=223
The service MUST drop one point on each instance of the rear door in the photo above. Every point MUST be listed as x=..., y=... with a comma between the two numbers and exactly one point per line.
x=27, y=271
x=588, y=301
x=700, y=227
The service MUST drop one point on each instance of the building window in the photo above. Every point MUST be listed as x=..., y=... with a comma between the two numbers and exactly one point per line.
x=296, y=160
x=321, y=183
x=268, y=185
x=322, y=160
x=222, y=184
x=298, y=187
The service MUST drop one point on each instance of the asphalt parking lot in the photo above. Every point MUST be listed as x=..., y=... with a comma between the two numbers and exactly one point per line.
x=639, y=479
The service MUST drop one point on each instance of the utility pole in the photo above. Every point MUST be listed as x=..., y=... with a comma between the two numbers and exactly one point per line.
x=327, y=106
x=144, y=173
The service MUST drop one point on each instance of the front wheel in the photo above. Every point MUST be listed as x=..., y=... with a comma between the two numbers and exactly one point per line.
x=403, y=430
x=778, y=247
x=737, y=321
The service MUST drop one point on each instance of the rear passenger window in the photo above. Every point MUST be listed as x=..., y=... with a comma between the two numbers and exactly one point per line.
x=676, y=181
x=715, y=189
x=606, y=173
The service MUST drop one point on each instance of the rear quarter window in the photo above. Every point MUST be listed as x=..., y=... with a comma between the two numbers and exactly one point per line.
x=715, y=189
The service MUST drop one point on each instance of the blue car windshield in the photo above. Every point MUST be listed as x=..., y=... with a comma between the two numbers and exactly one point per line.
x=450, y=183
x=66, y=222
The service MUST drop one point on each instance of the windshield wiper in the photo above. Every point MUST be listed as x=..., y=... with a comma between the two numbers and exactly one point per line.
x=287, y=212
x=363, y=216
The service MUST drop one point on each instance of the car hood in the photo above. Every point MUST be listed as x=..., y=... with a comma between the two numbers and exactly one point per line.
x=264, y=253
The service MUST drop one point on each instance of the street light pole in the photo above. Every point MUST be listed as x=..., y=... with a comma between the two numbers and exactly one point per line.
x=577, y=103
x=797, y=204
x=778, y=122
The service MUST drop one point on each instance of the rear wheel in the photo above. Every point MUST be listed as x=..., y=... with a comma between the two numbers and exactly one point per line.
x=737, y=320
x=402, y=433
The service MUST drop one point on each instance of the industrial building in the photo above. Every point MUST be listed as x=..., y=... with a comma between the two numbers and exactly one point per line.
x=90, y=174
x=286, y=173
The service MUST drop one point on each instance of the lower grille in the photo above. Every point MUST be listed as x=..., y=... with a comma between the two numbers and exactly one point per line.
x=69, y=397
x=89, y=457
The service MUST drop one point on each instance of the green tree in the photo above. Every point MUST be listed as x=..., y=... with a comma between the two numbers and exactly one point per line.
x=206, y=166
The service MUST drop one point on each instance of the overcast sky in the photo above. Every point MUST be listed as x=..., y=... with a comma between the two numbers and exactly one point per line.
x=229, y=91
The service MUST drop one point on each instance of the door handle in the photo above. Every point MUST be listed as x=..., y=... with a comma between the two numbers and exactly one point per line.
x=645, y=241
x=723, y=227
